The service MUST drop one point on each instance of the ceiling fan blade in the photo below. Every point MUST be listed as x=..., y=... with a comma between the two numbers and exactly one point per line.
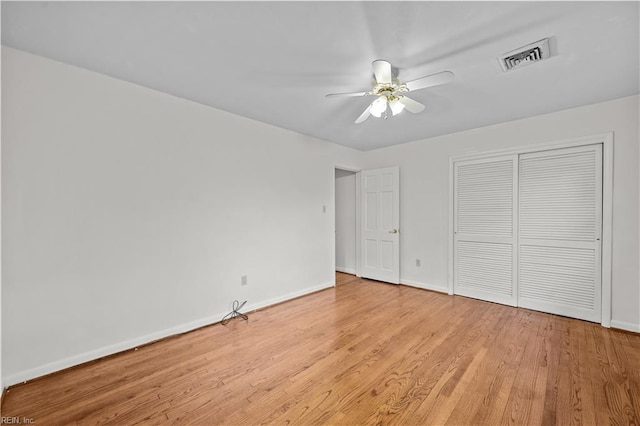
x=364, y=115
x=430, y=81
x=411, y=105
x=382, y=71
x=344, y=95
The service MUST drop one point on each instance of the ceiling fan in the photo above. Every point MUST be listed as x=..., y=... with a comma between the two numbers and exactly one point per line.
x=391, y=94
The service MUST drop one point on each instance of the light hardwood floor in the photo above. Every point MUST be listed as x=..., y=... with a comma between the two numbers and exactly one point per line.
x=362, y=353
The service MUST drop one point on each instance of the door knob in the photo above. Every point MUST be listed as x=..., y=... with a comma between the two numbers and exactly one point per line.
x=393, y=231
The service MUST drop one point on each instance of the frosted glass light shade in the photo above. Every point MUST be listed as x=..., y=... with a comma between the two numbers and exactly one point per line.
x=396, y=106
x=379, y=106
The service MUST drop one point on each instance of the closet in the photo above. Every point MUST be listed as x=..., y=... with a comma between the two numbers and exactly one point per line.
x=527, y=230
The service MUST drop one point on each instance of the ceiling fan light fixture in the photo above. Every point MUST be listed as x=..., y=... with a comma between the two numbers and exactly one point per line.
x=379, y=106
x=396, y=106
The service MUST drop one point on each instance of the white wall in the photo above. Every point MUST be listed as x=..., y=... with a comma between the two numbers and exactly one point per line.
x=345, y=221
x=129, y=214
x=424, y=174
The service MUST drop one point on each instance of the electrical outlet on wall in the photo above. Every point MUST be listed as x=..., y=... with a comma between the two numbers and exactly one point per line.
x=243, y=280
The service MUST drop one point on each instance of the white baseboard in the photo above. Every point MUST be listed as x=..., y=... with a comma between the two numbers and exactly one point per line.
x=72, y=361
x=289, y=296
x=424, y=286
x=351, y=271
x=623, y=325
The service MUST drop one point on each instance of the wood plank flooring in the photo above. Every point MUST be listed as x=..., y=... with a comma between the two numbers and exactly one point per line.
x=362, y=353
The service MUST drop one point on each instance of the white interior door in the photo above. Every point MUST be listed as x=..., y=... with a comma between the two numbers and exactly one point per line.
x=560, y=232
x=485, y=224
x=380, y=224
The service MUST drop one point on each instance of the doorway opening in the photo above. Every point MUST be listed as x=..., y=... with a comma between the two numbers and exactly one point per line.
x=345, y=221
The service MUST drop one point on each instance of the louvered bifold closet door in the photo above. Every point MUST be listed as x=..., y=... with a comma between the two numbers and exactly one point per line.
x=560, y=230
x=485, y=201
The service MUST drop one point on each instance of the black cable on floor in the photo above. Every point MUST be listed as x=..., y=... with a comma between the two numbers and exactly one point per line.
x=235, y=313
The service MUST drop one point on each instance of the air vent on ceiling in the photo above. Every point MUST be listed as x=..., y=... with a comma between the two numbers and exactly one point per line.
x=526, y=55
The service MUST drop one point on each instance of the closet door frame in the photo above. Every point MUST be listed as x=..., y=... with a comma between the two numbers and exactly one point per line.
x=606, y=139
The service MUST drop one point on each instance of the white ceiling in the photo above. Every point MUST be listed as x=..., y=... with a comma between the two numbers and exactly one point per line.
x=275, y=61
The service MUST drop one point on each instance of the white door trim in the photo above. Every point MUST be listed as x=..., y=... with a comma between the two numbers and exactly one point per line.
x=606, y=139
